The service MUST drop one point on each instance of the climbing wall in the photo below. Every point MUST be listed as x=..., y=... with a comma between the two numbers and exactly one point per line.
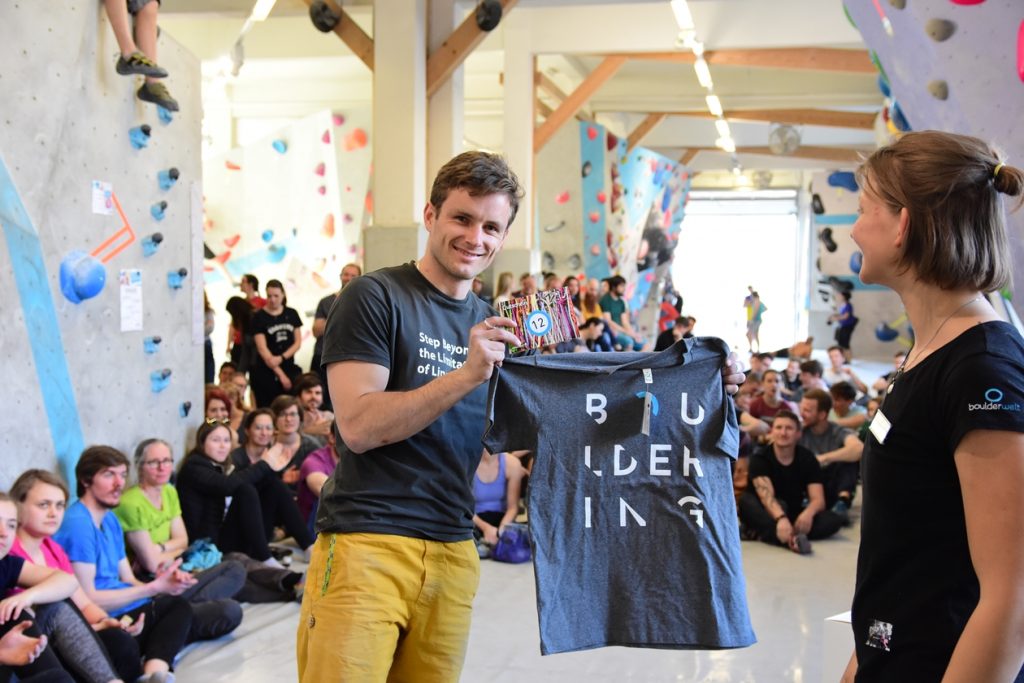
x=958, y=66
x=291, y=207
x=883, y=327
x=79, y=203
x=605, y=211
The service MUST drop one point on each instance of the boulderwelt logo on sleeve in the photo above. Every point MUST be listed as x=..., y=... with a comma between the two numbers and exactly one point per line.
x=994, y=401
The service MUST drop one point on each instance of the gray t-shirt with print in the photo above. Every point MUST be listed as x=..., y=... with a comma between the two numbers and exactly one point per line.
x=633, y=519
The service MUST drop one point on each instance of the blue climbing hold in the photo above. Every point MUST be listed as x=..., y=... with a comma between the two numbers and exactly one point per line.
x=158, y=210
x=164, y=115
x=280, y=146
x=899, y=119
x=139, y=136
x=856, y=261
x=885, y=333
x=883, y=86
x=81, y=276
x=843, y=179
x=167, y=177
x=159, y=379
x=151, y=344
x=176, y=278
x=267, y=235
x=277, y=253
x=151, y=243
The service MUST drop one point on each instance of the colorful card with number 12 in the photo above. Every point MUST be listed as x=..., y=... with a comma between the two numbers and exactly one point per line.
x=543, y=318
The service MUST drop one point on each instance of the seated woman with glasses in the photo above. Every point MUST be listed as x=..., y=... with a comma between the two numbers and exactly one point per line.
x=288, y=417
x=259, y=499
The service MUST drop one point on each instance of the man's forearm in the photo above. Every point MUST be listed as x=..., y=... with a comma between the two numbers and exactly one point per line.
x=385, y=417
x=112, y=600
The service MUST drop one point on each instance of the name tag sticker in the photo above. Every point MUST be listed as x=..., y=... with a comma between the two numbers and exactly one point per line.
x=880, y=426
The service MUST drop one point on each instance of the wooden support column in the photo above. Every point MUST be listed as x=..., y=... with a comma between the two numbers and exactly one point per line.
x=572, y=104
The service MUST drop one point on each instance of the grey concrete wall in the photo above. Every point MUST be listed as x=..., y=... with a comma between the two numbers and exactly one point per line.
x=65, y=122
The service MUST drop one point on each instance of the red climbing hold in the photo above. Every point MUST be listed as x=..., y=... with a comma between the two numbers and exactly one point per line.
x=601, y=196
x=320, y=169
x=562, y=197
x=223, y=256
x=232, y=166
x=595, y=216
x=326, y=137
x=591, y=133
x=322, y=189
x=355, y=140
x=230, y=242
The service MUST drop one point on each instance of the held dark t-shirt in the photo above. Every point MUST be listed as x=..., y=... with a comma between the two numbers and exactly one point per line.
x=916, y=585
x=422, y=486
x=279, y=330
x=789, y=481
x=635, y=536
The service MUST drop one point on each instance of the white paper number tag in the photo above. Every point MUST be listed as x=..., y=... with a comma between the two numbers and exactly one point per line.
x=880, y=426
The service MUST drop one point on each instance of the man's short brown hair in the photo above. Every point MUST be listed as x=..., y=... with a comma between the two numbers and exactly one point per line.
x=478, y=173
x=94, y=459
x=822, y=398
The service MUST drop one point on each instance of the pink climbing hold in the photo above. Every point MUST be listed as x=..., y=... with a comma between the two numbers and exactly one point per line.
x=594, y=216
x=562, y=198
x=320, y=169
x=322, y=189
x=595, y=250
x=326, y=137
x=601, y=196
x=1020, y=52
x=591, y=133
x=338, y=120
x=230, y=242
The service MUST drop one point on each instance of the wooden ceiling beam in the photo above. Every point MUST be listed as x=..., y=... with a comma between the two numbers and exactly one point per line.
x=813, y=58
x=839, y=154
x=802, y=117
x=351, y=34
x=544, y=82
x=460, y=44
x=642, y=130
x=576, y=99
x=688, y=156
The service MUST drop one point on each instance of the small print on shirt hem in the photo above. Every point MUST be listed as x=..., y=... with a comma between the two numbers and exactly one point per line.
x=880, y=635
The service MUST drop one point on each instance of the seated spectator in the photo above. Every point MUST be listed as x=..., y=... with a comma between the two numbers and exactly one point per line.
x=837, y=448
x=749, y=425
x=226, y=374
x=220, y=407
x=680, y=328
x=573, y=285
x=42, y=585
x=792, y=389
x=503, y=288
x=496, y=489
x=761, y=362
x=617, y=316
x=316, y=469
x=20, y=647
x=787, y=503
x=92, y=538
x=810, y=376
x=259, y=499
x=770, y=402
x=75, y=633
x=527, y=286
x=150, y=514
x=552, y=282
x=881, y=385
x=316, y=423
x=590, y=306
x=845, y=412
x=840, y=371
x=288, y=416
x=257, y=435
x=595, y=335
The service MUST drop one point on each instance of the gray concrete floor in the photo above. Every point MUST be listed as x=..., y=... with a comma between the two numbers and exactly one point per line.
x=790, y=597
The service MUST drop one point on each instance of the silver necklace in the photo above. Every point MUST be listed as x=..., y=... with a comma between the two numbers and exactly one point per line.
x=907, y=359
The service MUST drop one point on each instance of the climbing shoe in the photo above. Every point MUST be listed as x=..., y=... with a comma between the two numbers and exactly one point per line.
x=138, y=63
x=157, y=94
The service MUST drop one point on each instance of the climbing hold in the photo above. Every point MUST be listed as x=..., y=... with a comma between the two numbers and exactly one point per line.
x=595, y=250
x=844, y=179
x=591, y=133
x=184, y=408
x=554, y=227
x=898, y=4
x=81, y=276
x=601, y=196
x=277, y=253
x=562, y=197
x=575, y=262
x=328, y=229
x=167, y=178
x=158, y=210
x=355, y=140
x=883, y=87
x=267, y=235
x=826, y=238
x=232, y=166
x=939, y=29
x=488, y=15
x=139, y=136
x=816, y=204
x=230, y=242
x=322, y=189
x=856, y=261
x=939, y=89
x=594, y=216
x=587, y=167
x=323, y=17
x=176, y=278
x=547, y=261
x=223, y=256
x=1020, y=51
x=611, y=141
x=164, y=115
x=280, y=146
x=338, y=120
x=320, y=169
x=159, y=379
x=885, y=333
x=151, y=243
x=326, y=137
x=347, y=218
x=898, y=118
x=151, y=344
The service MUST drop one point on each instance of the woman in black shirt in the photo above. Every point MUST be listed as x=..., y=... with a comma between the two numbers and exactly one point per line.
x=278, y=338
